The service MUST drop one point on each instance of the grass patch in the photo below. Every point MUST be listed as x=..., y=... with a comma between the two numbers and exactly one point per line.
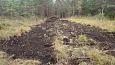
x=24, y=62
x=82, y=38
x=100, y=58
x=61, y=50
x=67, y=53
x=10, y=27
x=105, y=24
x=7, y=60
x=3, y=58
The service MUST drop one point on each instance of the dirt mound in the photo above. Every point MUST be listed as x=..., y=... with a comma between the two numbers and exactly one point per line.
x=38, y=43
x=70, y=29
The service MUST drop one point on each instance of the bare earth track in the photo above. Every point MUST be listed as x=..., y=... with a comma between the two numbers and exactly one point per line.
x=38, y=43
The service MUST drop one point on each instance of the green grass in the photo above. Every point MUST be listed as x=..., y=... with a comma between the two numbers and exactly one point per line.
x=104, y=24
x=10, y=27
x=82, y=38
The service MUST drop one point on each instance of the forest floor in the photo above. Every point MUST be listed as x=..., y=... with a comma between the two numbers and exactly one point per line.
x=60, y=42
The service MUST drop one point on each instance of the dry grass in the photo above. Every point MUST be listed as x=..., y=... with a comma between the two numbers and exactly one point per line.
x=61, y=53
x=10, y=27
x=6, y=60
x=100, y=58
x=104, y=24
x=24, y=62
x=97, y=56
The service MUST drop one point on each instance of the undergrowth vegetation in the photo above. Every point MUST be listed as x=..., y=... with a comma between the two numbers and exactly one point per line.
x=94, y=21
x=10, y=27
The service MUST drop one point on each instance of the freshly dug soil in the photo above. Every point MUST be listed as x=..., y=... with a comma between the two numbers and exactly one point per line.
x=38, y=43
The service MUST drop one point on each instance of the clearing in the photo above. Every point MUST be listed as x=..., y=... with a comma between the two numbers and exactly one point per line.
x=41, y=42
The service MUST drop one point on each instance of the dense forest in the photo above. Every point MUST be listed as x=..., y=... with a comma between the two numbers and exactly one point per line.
x=62, y=8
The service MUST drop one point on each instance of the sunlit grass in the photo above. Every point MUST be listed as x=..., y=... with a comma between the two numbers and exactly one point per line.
x=104, y=24
x=10, y=27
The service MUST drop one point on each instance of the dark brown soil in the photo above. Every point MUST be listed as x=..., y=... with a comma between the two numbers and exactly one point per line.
x=38, y=43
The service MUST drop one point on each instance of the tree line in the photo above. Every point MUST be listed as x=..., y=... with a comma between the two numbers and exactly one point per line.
x=62, y=8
